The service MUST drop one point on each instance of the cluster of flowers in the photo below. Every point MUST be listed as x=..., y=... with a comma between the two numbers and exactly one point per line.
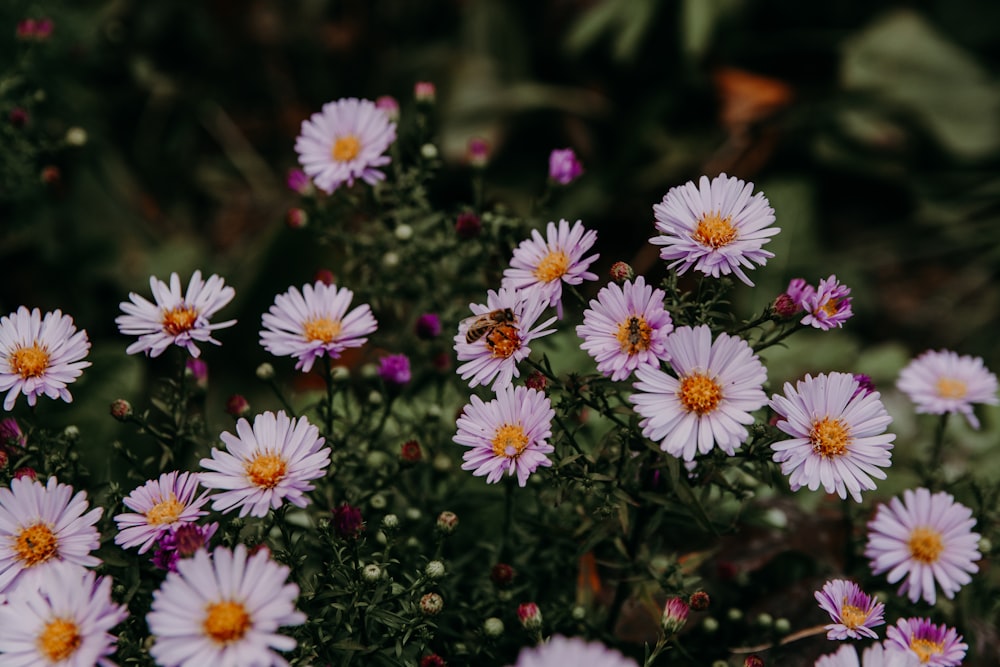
x=694, y=392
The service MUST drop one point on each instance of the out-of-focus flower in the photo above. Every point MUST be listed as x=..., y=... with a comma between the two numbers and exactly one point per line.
x=496, y=337
x=507, y=435
x=561, y=651
x=315, y=322
x=40, y=356
x=854, y=612
x=718, y=384
x=564, y=167
x=544, y=264
x=411, y=452
x=828, y=305
x=939, y=382
x=675, y=613
x=447, y=522
x=41, y=526
x=925, y=538
x=424, y=92
x=11, y=435
x=865, y=384
x=197, y=370
x=265, y=465
x=389, y=105
x=529, y=615
x=296, y=218
x=175, y=318
x=348, y=523
x=626, y=327
x=345, y=141
x=18, y=117
x=717, y=227
x=428, y=326
x=699, y=601
x=237, y=406
x=297, y=181
x=394, y=369
x=838, y=435
x=159, y=506
x=934, y=645
x=477, y=152
x=181, y=542
x=875, y=655
x=502, y=574
x=468, y=225
x=121, y=409
x=65, y=620
x=223, y=609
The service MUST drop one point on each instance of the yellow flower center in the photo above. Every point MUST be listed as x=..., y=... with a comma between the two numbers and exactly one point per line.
x=165, y=511
x=509, y=440
x=925, y=648
x=36, y=544
x=829, y=437
x=322, y=329
x=59, y=640
x=345, y=148
x=714, y=231
x=552, y=267
x=699, y=393
x=503, y=340
x=226, y=621
x=633, y=334
x=951, y=388
x=925, y=545
x=180, y=319
x=851, y=616
x=266, y=470
x=29, y=362
x=830, y=307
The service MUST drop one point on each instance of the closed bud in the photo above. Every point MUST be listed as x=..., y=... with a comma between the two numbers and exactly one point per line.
x=478, y=152
x=502, y=574
x=765, y=620
x=675, y=613
x=371, y=573
x=536, y=380
x=296, y=218
x=753, y=660
x=493, y=627
x=390, y=522
x=428, y=151
x=26, y=471
x=424, y=92
x=389, y=106
x=431, y=604
x=434, y=569
x=432, y=660
x=348, y=523
x=71, y=432
x=121, y=409
x=447, y=522
x=782, y=626
x=620, y=272
x=410, y=452
x=529, y=615
x=265, y=372
x=237, y=405
x=699, y=601
x=403, y=232
x=468, y=225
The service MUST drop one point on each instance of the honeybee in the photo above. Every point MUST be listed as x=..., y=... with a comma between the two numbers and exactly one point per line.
x=487, y=322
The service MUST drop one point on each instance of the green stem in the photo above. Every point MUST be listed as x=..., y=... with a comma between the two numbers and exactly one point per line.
x=933, y=475
x=765, y=343
x=328, y=412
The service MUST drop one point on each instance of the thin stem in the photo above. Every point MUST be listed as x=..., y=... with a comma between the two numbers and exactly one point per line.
x=933, y=474
x=794, y=637
x=765, y=343
x=328, y=412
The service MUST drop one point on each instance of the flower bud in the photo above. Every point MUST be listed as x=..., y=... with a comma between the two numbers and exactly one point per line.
x=753, y=660
x=529, y=615
x=536, y=380
x=428, y=151
x=26, y=471
x=76, y=136
x=394, y=369
x=431, y=604
x=410, y=452
x=734, y=614
x=389, y=106
x=348, y=523
x=237, y=406
x=699, y=601
x=390, y=260
x=442, y=462
x=296, y=218
x=324, y=276
x=477, y=153
x=468, y=226
x=620, y=272
x=432, y=660
x=371, y=573
x=390, y=522
x=197, y=370
x=447, y=522
x=71, y=432
x=765, y=620
x=4, y=459
x=502, y=574
x=265, y=372
x=121, y=409
x=782, y=626
x=298, y=181
x=784, y=306
x=428, y=326
x=378, y=501
x=403, y=232
x=18, y=117
x=424, y=92
x=675, y=613
x=493, y=627
x=709, y=625
x=564, y=167
x=434, y=569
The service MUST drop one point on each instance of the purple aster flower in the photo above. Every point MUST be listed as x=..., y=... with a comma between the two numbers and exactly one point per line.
x=544, y=264
x=838, y=435
x=175, y=318
x=394, y=369
x=428, y=326
x=925, y=538
x=564, y=167
x=496, y=337
x=718, y=384
x=934, y=645
x=854, y=612
x=65, y=620
x=159, y=506
x=798, y=290
x=297, y=181
x=266, y=465
x=348, y=522
x=828, y=305
x=11, y=435
x=942, y=382
x=41, y=526
x=315, y=322
x=626, y=328
x=874, y=656
x=40, y=356
x=717, y=227
x=865, y=384
x=560, y=651
x=224, y=610
x=345, y=141
x=674, y=616
x=181, y=542
x=197, y=370
x=506, y=435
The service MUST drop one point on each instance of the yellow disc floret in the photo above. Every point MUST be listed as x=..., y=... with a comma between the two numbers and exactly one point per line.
x=699, y=393
x=714, y=231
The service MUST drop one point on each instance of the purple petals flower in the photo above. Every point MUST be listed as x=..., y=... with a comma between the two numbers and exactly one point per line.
x=428, y=326
x=939, y=382
x=345, y=141
x=315, y=322
x=181, y=542
x=394, y=369
x=159, y=506
x=564, y=167
x=933, y=645
x=561, y=651
x=507, y=435
x=838, y=435
x=544, y=264
x=828, y=305
x=925, y=538
x=717, y=227
x=854, y=612
x=626, y=327
x=173, y=317
x=718, y=384
x=266, y=465
x=40, y=356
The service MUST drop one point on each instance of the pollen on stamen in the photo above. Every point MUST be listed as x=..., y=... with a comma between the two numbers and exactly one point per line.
x=951, y=388
x=509, y=441
x=925, y=648
x=59, y=640
x=29, y=362
x=699, y=393
x=266, y=470
x=829, y=437
x=226, y=621
x=36, y=544
x=345, y=148
x=321, y=329
x=851, y=616
x=715, y=231
x=552, y=267
x=180, y=319
x=165, y=511
x=925, y=545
